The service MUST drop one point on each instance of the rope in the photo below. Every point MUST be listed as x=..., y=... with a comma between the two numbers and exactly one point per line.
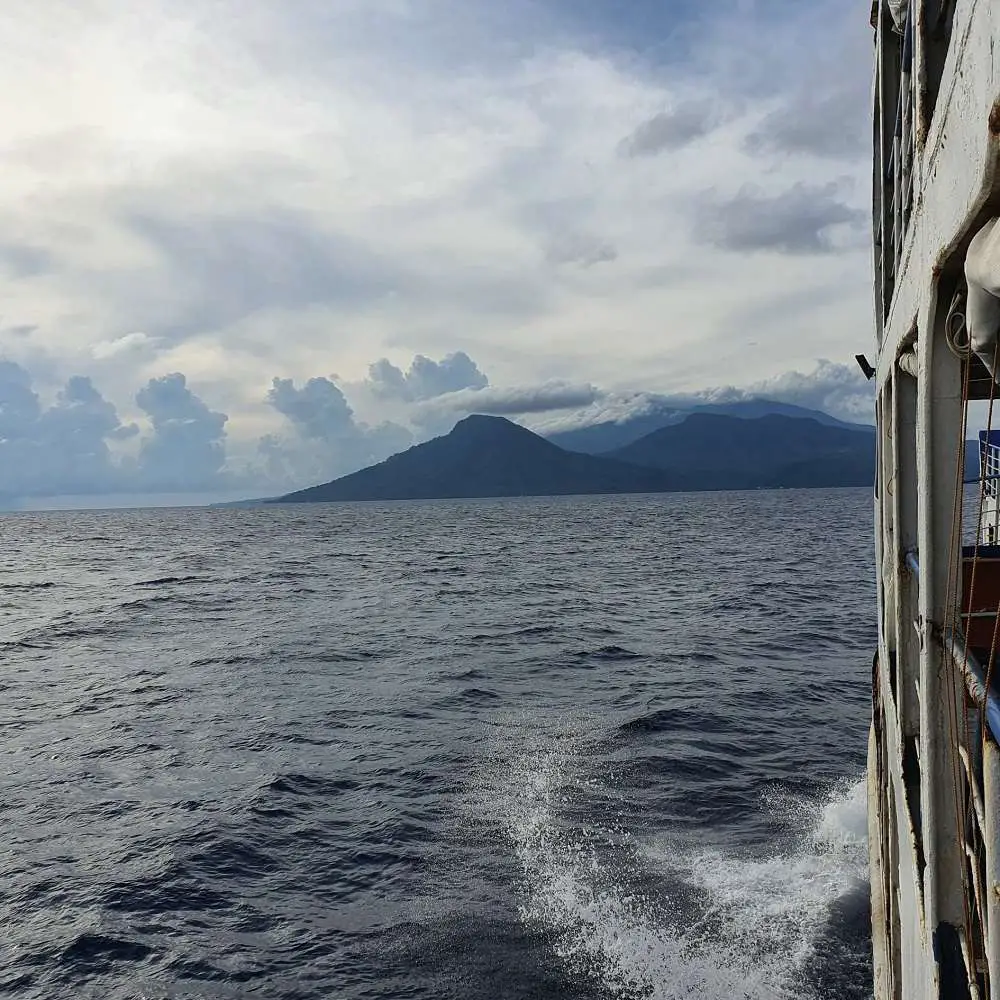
x=996, y=619
x=954, y=580
x=951, y=610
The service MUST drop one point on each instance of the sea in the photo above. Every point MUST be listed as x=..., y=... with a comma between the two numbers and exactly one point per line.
x=576, y=748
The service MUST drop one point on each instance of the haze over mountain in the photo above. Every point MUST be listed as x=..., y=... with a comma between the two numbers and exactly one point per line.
x=487, y=456
x=608, y=435
x=723, y=452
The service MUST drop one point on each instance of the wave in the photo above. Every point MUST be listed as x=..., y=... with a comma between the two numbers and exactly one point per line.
x=661, y=917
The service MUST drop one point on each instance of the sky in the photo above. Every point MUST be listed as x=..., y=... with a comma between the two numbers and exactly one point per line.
x=252, y=244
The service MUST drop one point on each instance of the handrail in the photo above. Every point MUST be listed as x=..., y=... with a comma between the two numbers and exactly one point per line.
x=956, y=646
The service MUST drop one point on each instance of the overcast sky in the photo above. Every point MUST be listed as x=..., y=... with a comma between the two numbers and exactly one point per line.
x=253, y=243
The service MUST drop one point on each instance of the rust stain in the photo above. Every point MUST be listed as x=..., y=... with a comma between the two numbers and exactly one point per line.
x=995, y=118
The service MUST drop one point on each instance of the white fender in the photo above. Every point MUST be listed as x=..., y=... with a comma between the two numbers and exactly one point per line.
x=982, y=311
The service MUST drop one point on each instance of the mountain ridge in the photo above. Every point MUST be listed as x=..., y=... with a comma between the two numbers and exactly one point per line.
x=607, y=435
x=767, y=451
x=490, y=456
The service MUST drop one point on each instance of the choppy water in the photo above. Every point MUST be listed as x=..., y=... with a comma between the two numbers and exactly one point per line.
x=597, y=748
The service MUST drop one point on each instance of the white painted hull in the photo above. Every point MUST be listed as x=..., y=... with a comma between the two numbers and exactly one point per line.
x=933, y=771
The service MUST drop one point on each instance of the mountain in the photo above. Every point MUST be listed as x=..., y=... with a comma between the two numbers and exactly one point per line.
x=598, y=439
x=750, y=409
x=488, y=457
x=725, y=452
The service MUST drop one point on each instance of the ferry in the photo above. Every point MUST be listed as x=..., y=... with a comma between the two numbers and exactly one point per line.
x=934, y=744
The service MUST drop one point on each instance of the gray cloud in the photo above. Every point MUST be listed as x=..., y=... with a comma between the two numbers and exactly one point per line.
x=834, y=388
x=837, y=389
x=62, y=448
x=797, y=221
x=671, y=130
x=575, y=248
x=187, y=448
x=425, y=378
x=319, y=410
x=222, y=268
x=23, y=261
x=327, y=440
x=554, y=395
x=512, y=401
x=820, y=124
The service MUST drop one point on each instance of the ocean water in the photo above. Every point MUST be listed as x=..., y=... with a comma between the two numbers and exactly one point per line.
x=541, y=748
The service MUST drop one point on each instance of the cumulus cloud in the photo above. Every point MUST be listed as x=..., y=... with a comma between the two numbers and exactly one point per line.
x=60, y=448
x=834, y=388
x=803, y=219
x=326, y=441
x=319, y=409
x=186, y=450
x=425, y=378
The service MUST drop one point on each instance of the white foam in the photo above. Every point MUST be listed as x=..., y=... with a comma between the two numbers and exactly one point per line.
x=758, y=916
x=774, y=906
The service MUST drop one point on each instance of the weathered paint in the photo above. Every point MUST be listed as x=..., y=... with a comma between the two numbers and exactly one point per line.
x=922, y=879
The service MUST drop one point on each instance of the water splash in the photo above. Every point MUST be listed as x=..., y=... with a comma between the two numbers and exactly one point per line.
x=733, y=927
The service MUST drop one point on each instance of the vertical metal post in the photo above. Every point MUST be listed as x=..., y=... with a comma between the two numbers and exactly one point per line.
x=991, y=804
x=939, y=426
x=905, y=497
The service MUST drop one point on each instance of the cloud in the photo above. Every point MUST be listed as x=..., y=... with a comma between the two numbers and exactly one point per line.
x=77, y=443
x=837, y=389
x=223, y=267
x=105, y=349
x=822, y=115
x=327, y=440
x=319, y=410
x=425, y=378
x=61, y=448
x=575, y=248
x=186, y=450
x=512, y=401
x=19, y=260
x=668, y=131
x=824, y=125
x=801, y=220
x=244, y=183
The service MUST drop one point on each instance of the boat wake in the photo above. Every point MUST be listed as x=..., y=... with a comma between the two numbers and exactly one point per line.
x=659, y=917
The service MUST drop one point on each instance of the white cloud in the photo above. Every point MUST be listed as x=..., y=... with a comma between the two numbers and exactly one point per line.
x=105, y=349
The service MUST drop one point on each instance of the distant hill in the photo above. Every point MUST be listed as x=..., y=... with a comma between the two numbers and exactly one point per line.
x=488, y=457
x=609, y=435
x=720, y=452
